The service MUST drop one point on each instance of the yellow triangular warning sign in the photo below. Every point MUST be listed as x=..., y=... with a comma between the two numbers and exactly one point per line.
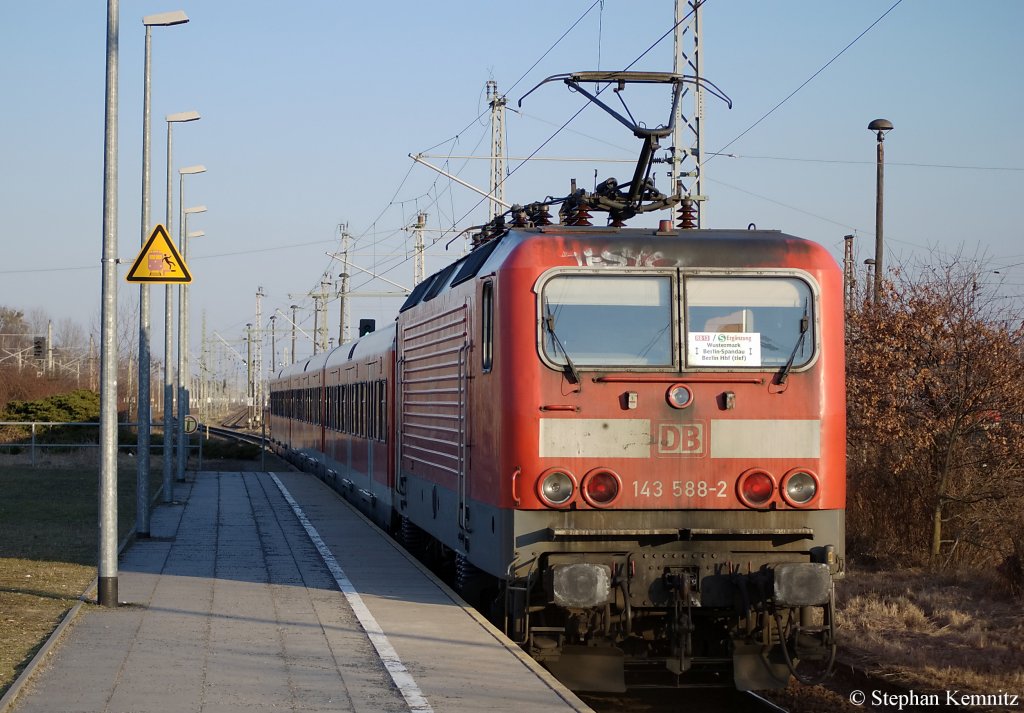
x=159, y=261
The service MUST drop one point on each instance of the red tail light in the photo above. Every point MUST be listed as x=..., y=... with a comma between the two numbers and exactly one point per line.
x=755, y=488
x=601, y=487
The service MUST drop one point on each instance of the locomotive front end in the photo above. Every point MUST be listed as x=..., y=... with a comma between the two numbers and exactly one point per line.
x=679, y=454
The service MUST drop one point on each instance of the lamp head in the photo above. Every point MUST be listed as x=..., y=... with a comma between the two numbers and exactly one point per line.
x=165, y=19
x=182, y=116
x=881, y=126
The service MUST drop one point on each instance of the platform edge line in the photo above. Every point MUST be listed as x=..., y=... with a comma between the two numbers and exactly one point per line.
x=404, y=680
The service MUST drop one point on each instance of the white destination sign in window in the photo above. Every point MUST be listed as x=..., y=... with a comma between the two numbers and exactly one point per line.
x=723, y=349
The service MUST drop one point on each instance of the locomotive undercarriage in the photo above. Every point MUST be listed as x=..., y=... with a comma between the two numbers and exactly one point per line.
x=602, y=621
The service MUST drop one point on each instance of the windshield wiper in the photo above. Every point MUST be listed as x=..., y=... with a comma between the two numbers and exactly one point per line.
x=805, y=324
x=549, y=325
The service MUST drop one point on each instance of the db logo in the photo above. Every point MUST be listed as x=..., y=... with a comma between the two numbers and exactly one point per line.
x=681, y=439
x=701, y=337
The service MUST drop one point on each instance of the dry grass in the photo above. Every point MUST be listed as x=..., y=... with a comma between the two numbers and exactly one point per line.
x=48, y=537
x=48, y=544
x=935, y=632
x=34, y=596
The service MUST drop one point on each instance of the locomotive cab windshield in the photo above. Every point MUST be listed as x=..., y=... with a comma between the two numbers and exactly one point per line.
x=599, y=320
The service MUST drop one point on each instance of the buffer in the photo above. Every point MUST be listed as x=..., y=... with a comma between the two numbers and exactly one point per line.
x=159, y=261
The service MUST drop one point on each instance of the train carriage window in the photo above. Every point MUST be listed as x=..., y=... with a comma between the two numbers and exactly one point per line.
x=371, y=424
x=382, y=426
x=608, y=320
x=347, y=415
x=748, y=322
x=360, y=410
x=366, y=410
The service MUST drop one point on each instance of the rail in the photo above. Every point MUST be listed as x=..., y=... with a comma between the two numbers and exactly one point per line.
x=256, y=439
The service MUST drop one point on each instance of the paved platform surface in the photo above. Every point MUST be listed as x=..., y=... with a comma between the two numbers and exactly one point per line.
x=230, y=606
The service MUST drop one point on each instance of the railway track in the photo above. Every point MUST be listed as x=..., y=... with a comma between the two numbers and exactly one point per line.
x=236, y=434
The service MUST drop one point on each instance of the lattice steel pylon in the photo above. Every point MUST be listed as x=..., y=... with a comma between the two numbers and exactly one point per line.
x=497, y=183
x=257, y=370
x=419, y=271
x=343, y=286
x=688, y=134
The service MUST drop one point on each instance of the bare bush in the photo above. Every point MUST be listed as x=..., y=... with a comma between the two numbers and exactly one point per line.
x=936, y=429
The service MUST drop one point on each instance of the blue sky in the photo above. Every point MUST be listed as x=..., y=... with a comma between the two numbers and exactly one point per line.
x=310, y=110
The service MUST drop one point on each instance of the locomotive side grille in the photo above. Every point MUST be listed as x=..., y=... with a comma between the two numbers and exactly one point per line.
x=433, y=391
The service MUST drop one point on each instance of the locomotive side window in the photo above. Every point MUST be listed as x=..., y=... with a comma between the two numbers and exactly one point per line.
x=487, y=327
x=748, y=322
x=608, y=320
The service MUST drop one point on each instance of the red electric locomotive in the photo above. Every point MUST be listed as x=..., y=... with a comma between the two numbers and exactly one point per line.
x=630, y=441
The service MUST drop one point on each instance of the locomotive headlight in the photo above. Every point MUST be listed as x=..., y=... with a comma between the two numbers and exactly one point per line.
x=679, y=396
x=557, y=487
x=799, y=487
x=755, y=488
x=600, y=487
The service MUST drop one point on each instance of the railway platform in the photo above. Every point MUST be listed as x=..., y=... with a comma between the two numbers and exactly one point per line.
x=265, y=591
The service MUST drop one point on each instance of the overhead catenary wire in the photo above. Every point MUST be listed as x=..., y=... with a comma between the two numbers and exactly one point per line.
x=807, y=81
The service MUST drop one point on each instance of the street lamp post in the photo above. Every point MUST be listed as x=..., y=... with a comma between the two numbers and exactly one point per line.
x=189, y=234
x=185, y=310
x=106, y=590
x=182, y=371
x=880, y=126
x=273, y=344
x=145, y=415
x=168, y=317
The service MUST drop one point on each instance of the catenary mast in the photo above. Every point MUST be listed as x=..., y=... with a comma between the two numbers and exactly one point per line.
x=497, y=182
x=688, y=135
